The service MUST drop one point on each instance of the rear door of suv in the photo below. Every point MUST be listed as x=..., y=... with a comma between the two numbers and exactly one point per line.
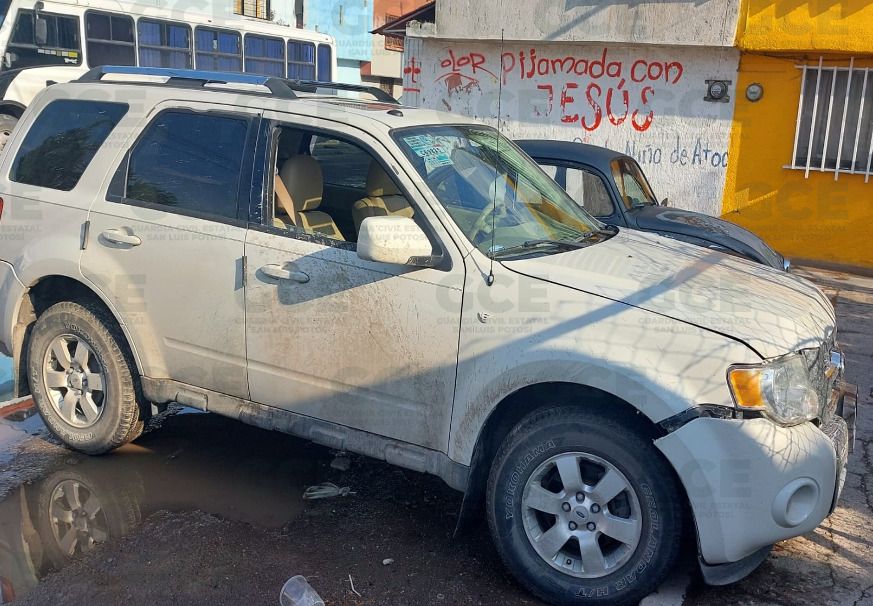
x=166, y=242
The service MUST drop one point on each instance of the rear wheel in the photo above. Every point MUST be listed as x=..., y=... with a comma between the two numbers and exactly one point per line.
x=582, y=508
x=7, y=124
x=82, y=378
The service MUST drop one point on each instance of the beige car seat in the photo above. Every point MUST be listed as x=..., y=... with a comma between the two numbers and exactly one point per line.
x=383, y=198
x=303, y=186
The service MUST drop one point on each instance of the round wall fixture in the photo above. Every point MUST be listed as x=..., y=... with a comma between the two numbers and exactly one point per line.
x=754, y=92
x=717, y=91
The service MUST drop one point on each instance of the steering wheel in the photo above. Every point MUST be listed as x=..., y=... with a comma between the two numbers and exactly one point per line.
x=485, y=221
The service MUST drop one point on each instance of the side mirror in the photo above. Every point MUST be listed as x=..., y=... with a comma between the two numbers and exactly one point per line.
x=396, y=240
x=41, y=31
x=665, y=202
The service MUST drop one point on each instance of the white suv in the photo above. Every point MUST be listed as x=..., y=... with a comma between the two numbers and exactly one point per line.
x=409, y=285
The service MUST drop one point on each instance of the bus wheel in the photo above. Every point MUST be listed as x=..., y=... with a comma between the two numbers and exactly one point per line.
x=7, y=123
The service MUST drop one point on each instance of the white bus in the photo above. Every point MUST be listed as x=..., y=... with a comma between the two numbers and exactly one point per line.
x=59, y=40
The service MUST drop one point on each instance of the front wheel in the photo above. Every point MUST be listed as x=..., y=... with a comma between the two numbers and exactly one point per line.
x=582, y=509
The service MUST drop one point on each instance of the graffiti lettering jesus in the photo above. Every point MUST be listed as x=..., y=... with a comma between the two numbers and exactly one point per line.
x=592, y=91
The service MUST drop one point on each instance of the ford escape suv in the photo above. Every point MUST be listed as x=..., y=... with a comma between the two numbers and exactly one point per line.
x=409, y=285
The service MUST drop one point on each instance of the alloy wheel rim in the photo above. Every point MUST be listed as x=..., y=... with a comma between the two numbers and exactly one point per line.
x=581, y=515
x=74, y=381
x=78, y=521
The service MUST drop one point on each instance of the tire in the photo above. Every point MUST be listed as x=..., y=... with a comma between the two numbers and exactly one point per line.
x=92, y=407
x=7, y=124
x=646, y=514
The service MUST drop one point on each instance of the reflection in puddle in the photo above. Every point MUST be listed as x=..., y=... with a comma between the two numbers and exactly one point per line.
x=194, y=462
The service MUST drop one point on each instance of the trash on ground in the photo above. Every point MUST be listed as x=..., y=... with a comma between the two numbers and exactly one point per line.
x=341, y=462
x=387, y=561
x=352, y=585
x=327, y=490
x=298, y=592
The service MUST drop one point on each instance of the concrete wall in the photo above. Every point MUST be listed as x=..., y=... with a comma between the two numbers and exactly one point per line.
x=644, y=100
x=349, y=21
x=691, y=22
x=820, y=25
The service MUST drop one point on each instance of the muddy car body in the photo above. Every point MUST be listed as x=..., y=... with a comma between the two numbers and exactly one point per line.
x=409, y=285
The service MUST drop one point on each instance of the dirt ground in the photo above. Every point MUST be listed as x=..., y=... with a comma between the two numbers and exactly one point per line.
x=209, y=511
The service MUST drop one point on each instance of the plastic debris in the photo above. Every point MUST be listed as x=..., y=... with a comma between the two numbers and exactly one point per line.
x=298, y=592
x=352, y=585
x=387, y=561
x=341, y=462
x=327, y=490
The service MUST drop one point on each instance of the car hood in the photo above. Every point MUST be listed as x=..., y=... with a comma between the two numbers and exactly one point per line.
x=771, y=311
x=677, y=221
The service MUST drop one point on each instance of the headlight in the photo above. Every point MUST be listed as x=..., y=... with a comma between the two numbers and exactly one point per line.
x=780, y=388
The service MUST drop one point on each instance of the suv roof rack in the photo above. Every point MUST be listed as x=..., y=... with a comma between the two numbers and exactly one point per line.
x=312, y=86
x=193, y=78
x=189, y=78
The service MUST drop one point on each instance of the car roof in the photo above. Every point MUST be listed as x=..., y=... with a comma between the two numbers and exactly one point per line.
x=569, y=150
x=353, y=112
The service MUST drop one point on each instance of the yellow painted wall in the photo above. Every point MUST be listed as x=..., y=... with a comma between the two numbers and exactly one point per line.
x=819, y=25
x=815, y=218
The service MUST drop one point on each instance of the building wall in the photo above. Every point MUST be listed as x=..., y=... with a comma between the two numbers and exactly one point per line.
x=349, y=21
x=820, y=25
x=822, y=217
x=644, y=100
x=387, y=64
x=684, y=22
x=816, y=218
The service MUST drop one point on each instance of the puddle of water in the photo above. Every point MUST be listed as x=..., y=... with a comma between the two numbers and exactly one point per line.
x=193, y=462
x=18, y=421
x=6, y=383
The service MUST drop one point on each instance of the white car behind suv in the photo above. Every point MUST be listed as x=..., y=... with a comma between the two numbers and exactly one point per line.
x=409, y=285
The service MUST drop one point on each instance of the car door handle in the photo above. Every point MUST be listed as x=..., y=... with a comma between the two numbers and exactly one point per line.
x=280, y=273
x=119, y=237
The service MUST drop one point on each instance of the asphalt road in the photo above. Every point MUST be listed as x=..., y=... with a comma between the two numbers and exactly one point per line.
x=209, y=511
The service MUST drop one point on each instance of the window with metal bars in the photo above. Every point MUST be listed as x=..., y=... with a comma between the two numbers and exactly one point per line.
x=834, y=130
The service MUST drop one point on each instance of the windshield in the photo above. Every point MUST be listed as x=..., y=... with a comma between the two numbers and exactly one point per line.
x=632, y=184
x=43, y=39
x=498, y=196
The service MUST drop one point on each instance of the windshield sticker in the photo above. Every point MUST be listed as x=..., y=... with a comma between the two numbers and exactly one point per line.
x=430, y=150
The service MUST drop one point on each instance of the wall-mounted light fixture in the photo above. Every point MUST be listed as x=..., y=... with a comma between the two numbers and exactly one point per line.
x=717, y=91
x=754, y=92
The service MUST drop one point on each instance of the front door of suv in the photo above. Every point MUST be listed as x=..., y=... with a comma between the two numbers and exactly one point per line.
x=166, y=243
x=366, y=345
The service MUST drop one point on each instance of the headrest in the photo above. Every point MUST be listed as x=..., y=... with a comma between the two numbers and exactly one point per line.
x=379, y=184
x=302, y=177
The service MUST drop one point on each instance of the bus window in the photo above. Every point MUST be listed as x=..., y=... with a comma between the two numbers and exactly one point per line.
x=265, y=56
x=325, y=63
x=301, y=60
x=47, y=40
x=109, y=39
x=164, y=44
x=217, y=49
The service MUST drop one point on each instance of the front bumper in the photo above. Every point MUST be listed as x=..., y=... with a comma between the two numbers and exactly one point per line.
x=11, y=292
x=752, y=483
